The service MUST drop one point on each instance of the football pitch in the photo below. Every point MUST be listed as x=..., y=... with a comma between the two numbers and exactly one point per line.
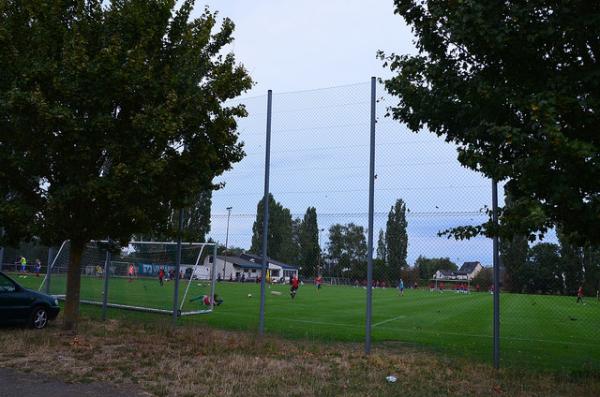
x=537, y=331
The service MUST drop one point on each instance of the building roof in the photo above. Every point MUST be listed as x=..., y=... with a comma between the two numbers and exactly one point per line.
x=467, y=268
x=446, y=272
x=258, y=259
x=248, y=261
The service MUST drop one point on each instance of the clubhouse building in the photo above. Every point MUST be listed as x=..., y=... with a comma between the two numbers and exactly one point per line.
x=248, y=267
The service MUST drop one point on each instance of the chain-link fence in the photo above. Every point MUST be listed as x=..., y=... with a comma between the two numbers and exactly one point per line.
x=428, y=291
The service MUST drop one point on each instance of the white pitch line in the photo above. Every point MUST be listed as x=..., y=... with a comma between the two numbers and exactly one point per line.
x=388, y=320
x=408, y=330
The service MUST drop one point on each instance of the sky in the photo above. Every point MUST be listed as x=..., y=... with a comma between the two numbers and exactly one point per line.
x=297, y=45
x=318, y=57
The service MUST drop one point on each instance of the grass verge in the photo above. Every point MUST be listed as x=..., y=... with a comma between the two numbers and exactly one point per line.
x=197, y=360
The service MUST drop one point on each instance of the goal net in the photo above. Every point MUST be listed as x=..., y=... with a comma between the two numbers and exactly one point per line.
x=450, y=285
x=140, y=276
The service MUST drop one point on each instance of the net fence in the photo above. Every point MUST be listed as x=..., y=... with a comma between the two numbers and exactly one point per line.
x=429, y=291
x=139, y=276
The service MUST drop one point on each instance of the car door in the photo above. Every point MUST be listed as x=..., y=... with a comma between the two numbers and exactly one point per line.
x=15, y=302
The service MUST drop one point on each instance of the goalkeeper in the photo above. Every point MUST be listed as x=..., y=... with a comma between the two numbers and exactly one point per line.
x=207, y=301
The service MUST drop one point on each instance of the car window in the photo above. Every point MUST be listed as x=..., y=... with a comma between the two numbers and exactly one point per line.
x=6, y=285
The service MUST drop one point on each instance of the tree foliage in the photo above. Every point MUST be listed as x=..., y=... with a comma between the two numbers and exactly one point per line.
x=111, y=116
x=428, y=266
x=310, y=252
x=513, y=254
x=485, y=279
x=347, y=250
x=515, y=86
x=396, y=239
x=381, y=246
x=280, y=240
x=543, y=270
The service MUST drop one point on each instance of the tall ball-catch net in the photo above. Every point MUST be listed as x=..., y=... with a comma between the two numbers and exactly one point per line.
x=140, y=276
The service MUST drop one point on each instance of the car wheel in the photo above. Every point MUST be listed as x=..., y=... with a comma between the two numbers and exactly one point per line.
x=39, y=318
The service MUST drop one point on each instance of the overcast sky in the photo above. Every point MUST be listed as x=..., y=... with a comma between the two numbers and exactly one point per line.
x=320, y=144
x=297, y=45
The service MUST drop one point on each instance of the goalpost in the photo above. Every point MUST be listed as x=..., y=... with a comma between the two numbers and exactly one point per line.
x=128, y=278
x=461, y=286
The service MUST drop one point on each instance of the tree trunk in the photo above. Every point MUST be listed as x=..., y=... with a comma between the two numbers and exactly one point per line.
x=71, y=312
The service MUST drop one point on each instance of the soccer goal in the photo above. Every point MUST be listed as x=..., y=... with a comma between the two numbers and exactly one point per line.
x=140, y=276
x=450, y=285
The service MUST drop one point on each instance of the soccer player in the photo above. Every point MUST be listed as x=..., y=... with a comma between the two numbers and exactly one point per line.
x=207, y=301
x=318, y=282
x=580, y=294
x=401, y=287
x=23, y=262
x=38, y=267
x=294, y=288
x=161, y=276
x=131, y=272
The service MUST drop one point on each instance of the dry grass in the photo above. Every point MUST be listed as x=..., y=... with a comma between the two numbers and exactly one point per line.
x=193, y=361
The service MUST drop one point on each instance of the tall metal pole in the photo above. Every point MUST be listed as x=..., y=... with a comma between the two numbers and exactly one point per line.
x=226, y=241
x=177, y=268
x=51, y=254
x=106, y=274
x=1, y=249
x=212, y=276
x=261, y=317
x=496, y=277
x=371, y=209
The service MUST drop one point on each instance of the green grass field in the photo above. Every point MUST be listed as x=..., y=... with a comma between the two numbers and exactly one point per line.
x=537, y=331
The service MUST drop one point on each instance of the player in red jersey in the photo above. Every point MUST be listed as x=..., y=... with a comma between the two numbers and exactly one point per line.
x=161, y=276
x=294, y=288
x=318, y=282
x=580, y=294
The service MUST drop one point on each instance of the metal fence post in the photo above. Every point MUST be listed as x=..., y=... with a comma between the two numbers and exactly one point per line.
x=177, y=269
x=261, y=315
x=370, y=232
x=1, y=249
x=106, y=275
x=213, y=278
x=496, y=277
x=51, y=254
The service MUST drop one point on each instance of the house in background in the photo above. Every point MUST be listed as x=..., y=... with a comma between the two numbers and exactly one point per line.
x=443, y=275
x=250, y=267
x=468, y=271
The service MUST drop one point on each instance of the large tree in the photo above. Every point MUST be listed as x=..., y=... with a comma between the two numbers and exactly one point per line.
x=428, y=266
x=513, y=255
x=111, y=116
x=280, y=242
x=310, y=252
x=196, y=222
x=514, y=84
x=381, y=246
x=347, y=250
x=396, y=239
x=544, y=269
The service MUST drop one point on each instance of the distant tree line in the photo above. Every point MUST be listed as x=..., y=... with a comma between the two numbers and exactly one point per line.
x=296, y=241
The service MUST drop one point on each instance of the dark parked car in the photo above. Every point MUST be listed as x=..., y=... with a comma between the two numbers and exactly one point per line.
x=21, y=305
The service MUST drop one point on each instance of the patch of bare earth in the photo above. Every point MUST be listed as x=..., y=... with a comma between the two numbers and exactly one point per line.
x=193, y=361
